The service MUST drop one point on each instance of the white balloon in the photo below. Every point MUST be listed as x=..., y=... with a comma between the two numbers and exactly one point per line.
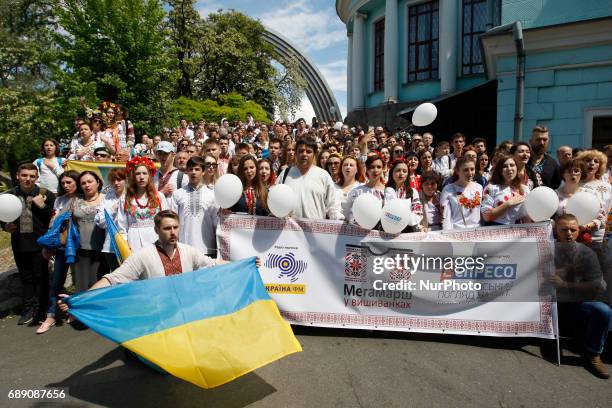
x=583, y=206
x=424, y=114
x=367, y=210
x=338, y=125
x=10, y=207
x=228, y=190
x=541, y=203
x=396, y=216
x=281, y=200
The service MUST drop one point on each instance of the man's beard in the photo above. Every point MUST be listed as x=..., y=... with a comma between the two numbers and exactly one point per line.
x=540, y=149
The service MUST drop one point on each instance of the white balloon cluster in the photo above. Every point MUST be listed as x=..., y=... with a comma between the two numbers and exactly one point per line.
x=281, y=198
x=543, y=202
x=394, y=216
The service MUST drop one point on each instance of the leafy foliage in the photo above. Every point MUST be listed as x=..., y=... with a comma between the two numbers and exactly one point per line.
x=233, y=107
x=135, y=52
x=27, y=104
x=119, y=51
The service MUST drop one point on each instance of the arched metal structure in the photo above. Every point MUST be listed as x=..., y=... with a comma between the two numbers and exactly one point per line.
x=318, y=91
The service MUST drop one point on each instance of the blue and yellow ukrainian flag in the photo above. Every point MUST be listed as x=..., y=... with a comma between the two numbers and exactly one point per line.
x=119, y=245
x=100, y=168
x=207, y=327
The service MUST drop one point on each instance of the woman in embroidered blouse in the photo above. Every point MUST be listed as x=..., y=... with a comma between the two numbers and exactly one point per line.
x=571, y=172
x=90, y=264
x=425, y=162
x=385, y=155
x=483, y=166
x=264, y=166
x=117, y=180
x=430, y=200
x=83, y=147
x=138, y=206
x=398, y=181
x=461, y=198
x=595, y=163
x=254, y=196
x=120, y=129
x=375, y=186
x=351, y=176
x=503, y=197
x=68, y=192
x=412, y=161
x=530, y=178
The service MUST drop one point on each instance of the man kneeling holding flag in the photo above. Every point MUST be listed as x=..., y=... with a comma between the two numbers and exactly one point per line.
x=207, y=327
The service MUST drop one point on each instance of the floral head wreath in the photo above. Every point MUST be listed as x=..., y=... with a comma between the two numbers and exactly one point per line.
x=377, y=153
x=105, y=105
x=399, y=160
x=141, y=161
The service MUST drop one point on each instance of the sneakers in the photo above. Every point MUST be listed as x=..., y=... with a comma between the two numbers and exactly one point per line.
x=27, y=316
x=596, y=366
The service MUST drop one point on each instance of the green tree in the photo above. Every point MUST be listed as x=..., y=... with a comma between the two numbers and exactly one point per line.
x=27, y=102
x=118, y=51
x=290, y=87
x=185, y=25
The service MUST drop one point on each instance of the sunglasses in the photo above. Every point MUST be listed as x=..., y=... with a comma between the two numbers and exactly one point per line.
x=210, y=165
x=101, y=155
x=399, y=151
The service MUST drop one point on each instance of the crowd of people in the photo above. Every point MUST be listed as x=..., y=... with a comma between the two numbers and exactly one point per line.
x=449, y=185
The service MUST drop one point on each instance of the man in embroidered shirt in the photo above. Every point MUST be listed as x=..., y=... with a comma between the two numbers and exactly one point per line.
x=25, y=230
x=314, y=187
x=197, y=210
x=165, y=257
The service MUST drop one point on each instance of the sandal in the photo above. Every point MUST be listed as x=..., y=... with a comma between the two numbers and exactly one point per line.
x=45, y=326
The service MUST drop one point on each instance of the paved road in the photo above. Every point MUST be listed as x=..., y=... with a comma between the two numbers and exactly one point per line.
x=338, y=368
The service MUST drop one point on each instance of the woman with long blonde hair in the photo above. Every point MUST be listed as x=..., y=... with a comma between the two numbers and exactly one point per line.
x=140, y=204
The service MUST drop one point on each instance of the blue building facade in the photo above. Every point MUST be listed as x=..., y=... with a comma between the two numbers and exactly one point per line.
x=404, y=52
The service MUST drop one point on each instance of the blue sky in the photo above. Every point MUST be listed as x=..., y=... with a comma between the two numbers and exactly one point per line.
x=312, y=25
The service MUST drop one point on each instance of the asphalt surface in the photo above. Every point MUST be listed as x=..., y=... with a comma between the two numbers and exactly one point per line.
x=338, y=368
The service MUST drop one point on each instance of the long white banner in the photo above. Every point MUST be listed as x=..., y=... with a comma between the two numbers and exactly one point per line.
x=484, y=281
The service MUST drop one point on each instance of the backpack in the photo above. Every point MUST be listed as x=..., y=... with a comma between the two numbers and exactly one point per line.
x=38, y=163
x=285, y=174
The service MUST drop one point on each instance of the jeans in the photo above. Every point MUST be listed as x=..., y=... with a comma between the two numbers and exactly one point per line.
x=34, y=276
x=60, y=271
x=596, y=319
x=111, y=260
